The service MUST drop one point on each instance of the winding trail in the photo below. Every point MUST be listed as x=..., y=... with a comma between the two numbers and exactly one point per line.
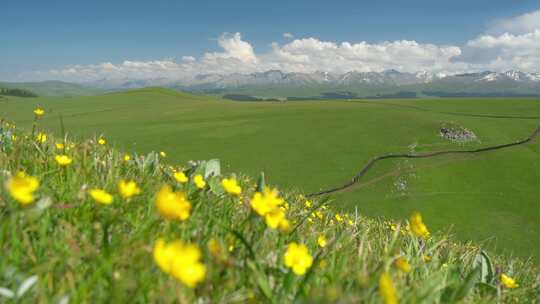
x=376, y=159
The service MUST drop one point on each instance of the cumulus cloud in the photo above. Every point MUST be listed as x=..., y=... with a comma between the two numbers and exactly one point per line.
x=299, y=55
x=513, y=43
x=311, y=54
x=522, y=24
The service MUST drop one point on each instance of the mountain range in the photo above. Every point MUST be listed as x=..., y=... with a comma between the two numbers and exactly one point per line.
x=279, y=78
x=275, y=84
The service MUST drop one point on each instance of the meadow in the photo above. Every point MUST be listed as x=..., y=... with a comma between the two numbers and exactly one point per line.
x=84, y=222
x=489, y=198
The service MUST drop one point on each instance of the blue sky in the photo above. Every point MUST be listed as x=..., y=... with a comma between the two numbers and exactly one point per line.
x=44, y=35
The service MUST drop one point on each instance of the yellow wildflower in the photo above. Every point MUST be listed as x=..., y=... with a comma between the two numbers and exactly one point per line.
x=321, y=240
x=274, y=217
x=162, y=154
x=284, y=225
x=265, y=202
x=198, y=180
x=308, y=204
x=59, y=146
x=172, y=205
x=180, y=260
x=41, y=137
x=101, y=141
x=63, y=160
x=387, y=289
x=39, y=111
x=297, y=258
x=508, y=282
x=231, y=186
x=418, y=227
x=402, y=264
x=127, y=189
x=180, y=177
x=215, y=249
x=22, y=187
x=127, y=157
x=14, y=137
x=101, y=196
x=339, y=218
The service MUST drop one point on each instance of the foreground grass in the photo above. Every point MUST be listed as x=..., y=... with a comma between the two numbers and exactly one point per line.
x=64, y=241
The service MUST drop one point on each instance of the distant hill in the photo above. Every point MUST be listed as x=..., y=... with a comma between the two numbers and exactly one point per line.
x=53, y=88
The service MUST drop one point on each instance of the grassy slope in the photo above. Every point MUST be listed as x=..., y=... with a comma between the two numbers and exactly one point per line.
x=312, y=145
x=75, y=249
x=53, y=88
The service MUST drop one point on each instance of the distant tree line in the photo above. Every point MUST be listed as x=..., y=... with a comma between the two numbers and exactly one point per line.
x=16, y=92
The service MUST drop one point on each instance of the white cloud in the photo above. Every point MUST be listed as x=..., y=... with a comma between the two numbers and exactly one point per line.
x=503, y=52
x=522, y=24
x=288, y=35
x=311, y=54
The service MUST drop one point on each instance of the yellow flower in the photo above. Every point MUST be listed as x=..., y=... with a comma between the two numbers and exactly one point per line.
x=418, y=227
x=22, y=187
x=59, y=146
x=101, y=196
x=508, y=282
x=284, y=225
x=199, y=181
x=163, y=154
x=180, y=260
x=180, y=177
x=172, y=205
x=128, y=189
x=266, y=202
x=127, y=157
x=101, y=141
x=297, y=258
x=274, y=217
x=14, y=137
x=321, y=240
x=63, y=160
x=215, y=249
x=39, y=111
x=339, y=218
x=387, y=289
x=308, y=204
x=41, y=137
x=402, y=264
x=231, y=186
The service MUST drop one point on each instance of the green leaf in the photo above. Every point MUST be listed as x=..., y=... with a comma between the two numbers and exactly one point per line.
x=212, y=168
x=261, y=183
x=483, y=262
x=262, y=281
x=463, y=290
x=215, y=186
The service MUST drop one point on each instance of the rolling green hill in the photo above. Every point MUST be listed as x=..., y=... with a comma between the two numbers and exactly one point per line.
x=492, y=197
x=53, y=88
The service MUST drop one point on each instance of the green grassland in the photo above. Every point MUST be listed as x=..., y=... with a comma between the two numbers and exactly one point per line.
x=64, y=240
x=490, y=198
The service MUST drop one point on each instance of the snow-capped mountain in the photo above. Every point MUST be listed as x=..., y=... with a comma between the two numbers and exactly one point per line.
x=280, y=79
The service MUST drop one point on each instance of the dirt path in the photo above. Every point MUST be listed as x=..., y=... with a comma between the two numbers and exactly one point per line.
x=379, y=158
